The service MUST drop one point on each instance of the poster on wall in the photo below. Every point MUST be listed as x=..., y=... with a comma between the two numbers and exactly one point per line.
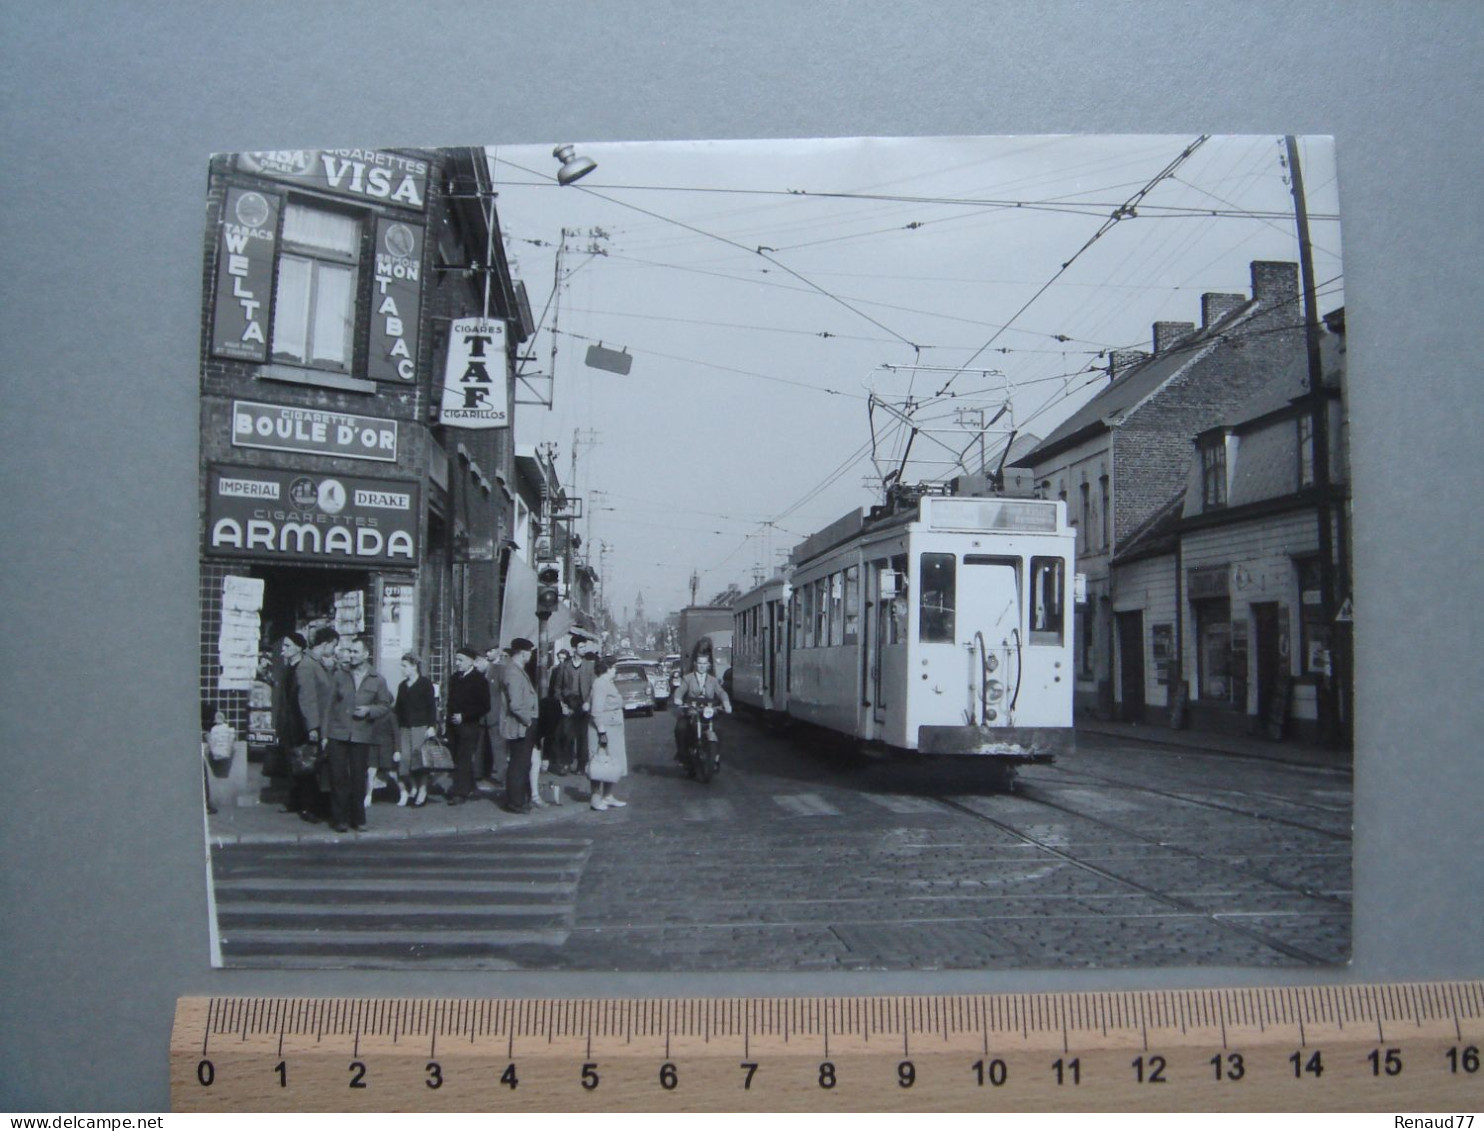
x=1002, y=359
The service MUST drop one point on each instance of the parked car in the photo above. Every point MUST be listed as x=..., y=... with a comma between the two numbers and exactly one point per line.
x=633, y=684
x=659, y=682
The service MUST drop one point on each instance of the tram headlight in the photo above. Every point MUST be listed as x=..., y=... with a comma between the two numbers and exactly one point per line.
x=992, y=663
x=991, y=715
x=994, y=690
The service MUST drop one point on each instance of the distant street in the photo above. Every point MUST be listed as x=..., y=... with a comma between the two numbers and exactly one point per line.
x=794, y=858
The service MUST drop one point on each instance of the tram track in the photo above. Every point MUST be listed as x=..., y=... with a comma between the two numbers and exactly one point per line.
x=1173, y=901
x=1084, y=777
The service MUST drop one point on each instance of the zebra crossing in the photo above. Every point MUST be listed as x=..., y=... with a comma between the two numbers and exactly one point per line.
x=470, y=901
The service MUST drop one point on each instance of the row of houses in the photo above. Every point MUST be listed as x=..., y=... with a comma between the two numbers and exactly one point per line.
x=1209, y=483
x=338, y=487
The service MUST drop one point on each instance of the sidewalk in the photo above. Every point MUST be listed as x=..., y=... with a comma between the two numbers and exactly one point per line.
x=261, y=822
x=1288, y=751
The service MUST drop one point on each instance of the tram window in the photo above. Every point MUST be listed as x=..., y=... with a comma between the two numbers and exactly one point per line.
x=796, y=616
x=852, y=604
x=822, y=612
x=1048, y=600
x=935, y=613
x=837, y=608
x=808, y=616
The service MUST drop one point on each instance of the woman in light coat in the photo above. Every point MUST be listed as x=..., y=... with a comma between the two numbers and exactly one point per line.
x=608, y=762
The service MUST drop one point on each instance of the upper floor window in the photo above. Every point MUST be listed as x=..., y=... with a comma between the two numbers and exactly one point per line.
x=314, y=310
x=1213, y=473
x=1086, y=494
x=1305, y=451
x=1105, y=501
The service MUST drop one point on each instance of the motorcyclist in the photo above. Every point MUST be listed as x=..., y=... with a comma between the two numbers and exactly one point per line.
x=697, y=688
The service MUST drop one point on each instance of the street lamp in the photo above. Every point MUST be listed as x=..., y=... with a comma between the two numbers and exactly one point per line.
x=573, y=168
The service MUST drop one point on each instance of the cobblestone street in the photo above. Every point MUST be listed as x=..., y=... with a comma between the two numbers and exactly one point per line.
x=1124, y=853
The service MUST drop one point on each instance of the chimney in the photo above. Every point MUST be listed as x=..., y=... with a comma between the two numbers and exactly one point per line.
x=1167, y=334
x=1121, y=361
x=1275, y=284
x=1215, y=307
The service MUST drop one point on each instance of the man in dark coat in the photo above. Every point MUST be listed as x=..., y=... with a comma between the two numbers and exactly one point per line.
x=572, y=685
x=298, y=715
x=519, y=710
x=468, y=702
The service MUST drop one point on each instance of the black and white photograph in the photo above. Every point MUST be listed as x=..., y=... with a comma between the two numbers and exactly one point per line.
x=787, y=555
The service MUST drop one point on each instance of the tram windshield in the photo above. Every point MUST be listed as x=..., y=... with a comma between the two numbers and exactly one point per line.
x=935, y=610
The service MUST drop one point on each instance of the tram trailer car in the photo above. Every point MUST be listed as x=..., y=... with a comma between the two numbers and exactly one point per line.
x=942, y=629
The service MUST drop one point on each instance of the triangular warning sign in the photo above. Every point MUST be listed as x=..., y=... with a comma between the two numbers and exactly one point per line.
x=1346, y=615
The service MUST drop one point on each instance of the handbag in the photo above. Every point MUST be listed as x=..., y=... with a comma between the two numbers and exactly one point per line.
x=305, y=758
x=433, y=755
x=602, y=765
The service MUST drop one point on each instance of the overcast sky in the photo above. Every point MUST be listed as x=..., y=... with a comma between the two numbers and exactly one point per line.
x=766, y=288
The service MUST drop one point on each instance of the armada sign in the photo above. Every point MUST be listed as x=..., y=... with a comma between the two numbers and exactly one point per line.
x=289, y=515
x=367, y=174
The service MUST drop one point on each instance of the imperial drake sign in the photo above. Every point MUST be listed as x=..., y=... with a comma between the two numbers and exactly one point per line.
x=296, y=516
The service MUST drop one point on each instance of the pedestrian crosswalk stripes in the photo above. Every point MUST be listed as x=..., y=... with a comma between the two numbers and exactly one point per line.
x=904, y=803
x=806, y=805
x=387, y=902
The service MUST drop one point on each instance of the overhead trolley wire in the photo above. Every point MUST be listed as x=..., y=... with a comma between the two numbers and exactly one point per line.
x=1122, y=212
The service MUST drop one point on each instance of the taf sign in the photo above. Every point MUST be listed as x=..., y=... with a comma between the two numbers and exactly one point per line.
x=287, y=515
x=281, y=428
x=476, y=393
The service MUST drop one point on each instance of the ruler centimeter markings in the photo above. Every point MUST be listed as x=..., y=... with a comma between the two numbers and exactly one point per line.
x=1405, y=1047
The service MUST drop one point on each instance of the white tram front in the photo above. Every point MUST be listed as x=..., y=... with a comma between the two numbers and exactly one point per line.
x=944, y=628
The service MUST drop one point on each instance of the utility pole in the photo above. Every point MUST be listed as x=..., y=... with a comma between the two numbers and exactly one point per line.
x=1318, y=400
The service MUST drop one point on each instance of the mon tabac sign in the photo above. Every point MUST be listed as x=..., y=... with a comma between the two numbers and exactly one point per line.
x=366, y=174
x=294, y=516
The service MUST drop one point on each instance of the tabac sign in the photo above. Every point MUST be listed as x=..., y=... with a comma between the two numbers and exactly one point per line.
x=365, y=174
x=244, y=275
x=284, y=428
x=475, y=391
x=293, y=516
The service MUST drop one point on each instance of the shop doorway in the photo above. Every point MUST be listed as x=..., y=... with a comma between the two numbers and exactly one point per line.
x=1131, y=666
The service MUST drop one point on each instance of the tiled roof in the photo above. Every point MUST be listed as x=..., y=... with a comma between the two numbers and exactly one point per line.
x=1128, y=391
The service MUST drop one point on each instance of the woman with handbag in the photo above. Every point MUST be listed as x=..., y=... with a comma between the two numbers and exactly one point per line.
x=417, y=713
x=608, y=761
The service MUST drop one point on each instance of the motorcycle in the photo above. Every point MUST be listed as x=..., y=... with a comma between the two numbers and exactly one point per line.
x=702, y=745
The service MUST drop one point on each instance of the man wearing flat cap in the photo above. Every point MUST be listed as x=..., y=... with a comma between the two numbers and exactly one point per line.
x=572, y=686
x=468, y=702
x=518, y=711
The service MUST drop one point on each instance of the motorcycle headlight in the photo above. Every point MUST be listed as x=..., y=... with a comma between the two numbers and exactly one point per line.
x=708, y=712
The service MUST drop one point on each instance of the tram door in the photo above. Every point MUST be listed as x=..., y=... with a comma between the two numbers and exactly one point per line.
x=876, y=624
x=988, y=606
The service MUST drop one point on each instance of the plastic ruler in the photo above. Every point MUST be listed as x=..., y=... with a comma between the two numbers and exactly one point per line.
x=1389, y=1048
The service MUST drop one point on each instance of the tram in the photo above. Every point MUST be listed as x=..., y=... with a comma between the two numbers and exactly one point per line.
x=941, y=625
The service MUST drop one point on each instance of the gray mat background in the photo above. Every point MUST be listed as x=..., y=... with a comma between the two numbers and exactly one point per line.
x=107, y=114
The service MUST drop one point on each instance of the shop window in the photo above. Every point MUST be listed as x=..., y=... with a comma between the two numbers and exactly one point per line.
x=1213, y=473
x=1213, y=631
x=852, y=605
x=935, y=613
x=1048, y=600
x=314, y=308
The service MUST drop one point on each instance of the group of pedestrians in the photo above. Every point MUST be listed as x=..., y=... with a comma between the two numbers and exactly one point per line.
x=344, y=731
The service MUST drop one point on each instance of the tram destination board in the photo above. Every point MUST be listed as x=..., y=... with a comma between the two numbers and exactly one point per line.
x=1395, y=1047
